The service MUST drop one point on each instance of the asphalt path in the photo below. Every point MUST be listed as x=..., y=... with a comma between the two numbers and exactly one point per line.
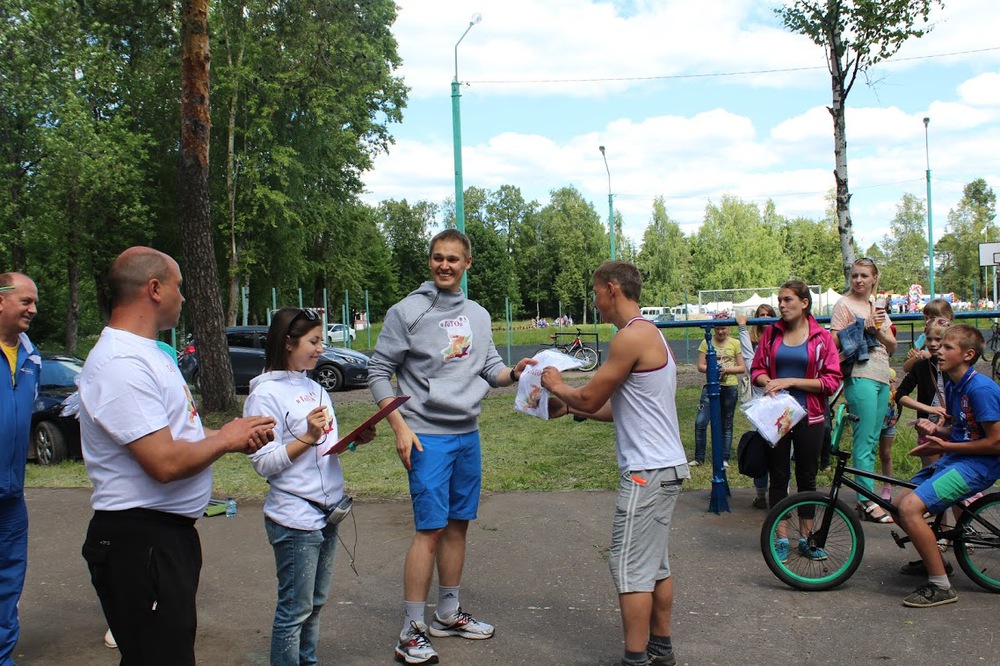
x=537, y=568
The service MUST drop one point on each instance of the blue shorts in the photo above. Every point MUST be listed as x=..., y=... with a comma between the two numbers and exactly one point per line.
x=445, y=479
x=953, y=478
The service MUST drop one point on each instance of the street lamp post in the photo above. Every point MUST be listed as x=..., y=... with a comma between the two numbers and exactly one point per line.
x=456, y=123
x=930, y=219
x=611, y=209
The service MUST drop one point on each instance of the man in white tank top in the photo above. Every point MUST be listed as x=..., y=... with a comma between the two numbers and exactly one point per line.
x=635, y=388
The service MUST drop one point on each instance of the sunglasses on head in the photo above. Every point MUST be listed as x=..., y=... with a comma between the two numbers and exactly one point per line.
x=304, y=313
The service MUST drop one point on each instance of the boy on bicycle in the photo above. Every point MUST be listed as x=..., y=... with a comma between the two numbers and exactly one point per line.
x=970, y=462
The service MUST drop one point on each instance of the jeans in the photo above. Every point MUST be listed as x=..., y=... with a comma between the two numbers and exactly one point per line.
x=728, y=396
x=304, y=562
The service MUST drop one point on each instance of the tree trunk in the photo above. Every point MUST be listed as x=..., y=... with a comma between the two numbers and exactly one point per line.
x=73, y=272
x=202, y=274
x=844, y=225
x=231, y=176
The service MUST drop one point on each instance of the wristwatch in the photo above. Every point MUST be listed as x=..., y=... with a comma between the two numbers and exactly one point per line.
x=512, y=375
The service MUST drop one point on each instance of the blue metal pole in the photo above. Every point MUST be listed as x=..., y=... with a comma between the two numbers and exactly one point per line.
x=719, y=500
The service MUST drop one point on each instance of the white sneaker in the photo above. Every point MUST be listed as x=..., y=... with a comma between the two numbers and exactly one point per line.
x=694, y=463
x=461, y=624
x=414, y=647
x=109, y=640
x=725, y=464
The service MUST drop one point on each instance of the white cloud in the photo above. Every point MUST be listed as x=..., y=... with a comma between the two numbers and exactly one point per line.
x=982, y=90
x=698, y=148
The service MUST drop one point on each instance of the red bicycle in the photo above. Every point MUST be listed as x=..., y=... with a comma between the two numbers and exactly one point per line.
x=576, y=349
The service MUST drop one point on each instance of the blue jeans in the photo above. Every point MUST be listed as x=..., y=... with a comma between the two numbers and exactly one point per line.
x=728, y=396
x=304, y=562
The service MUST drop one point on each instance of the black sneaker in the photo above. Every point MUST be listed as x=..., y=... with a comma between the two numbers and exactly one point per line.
x=759, y=503
x=667, y=659
x=918, y=568
x=927, y=596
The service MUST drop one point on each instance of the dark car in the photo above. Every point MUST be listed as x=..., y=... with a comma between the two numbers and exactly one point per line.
x=55, y=437
x=338, y=368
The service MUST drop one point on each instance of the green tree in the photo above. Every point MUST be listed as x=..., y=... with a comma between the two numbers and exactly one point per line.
x=407, y=232
x=810, y=244
x=736, y=247
x=310, y=93
x=957, y=252
x=856, y=35
x=664, y=259
x=905, y=247
x=577, y=245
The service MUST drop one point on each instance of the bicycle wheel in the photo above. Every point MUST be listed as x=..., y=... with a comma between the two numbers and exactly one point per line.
x=977, y=548
x=844, y=544
x=588, y=356
x=996, y=367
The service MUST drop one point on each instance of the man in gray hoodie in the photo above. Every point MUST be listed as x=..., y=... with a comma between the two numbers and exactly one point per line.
x=440, y=346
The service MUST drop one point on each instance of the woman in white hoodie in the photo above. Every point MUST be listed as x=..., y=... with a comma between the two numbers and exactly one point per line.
x=305, y=485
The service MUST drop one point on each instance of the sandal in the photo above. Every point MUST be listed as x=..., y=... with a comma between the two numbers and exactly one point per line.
x=867, y=512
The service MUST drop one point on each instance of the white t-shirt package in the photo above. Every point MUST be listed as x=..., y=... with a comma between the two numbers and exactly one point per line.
x=532, y=399
x=774, y=416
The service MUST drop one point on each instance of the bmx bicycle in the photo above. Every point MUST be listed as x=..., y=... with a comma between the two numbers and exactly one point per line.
x=837, y=531
x=576, y=349
x=994, y=344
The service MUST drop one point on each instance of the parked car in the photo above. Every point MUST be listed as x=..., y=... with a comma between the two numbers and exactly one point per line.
x=338, y=368
x=335, y=333
x=55, y=437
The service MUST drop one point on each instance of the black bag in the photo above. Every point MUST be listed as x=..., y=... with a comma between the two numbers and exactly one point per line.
x=753, y=454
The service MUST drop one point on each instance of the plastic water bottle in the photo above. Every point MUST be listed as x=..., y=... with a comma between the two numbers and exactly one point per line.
x=230, y=507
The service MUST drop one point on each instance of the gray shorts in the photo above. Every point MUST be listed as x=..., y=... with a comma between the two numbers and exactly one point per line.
x=641, y=527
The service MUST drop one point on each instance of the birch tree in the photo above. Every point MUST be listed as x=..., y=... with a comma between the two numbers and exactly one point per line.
x=856, y=35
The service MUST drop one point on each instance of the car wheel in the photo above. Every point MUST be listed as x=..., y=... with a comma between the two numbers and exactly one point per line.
x=330, y=378
x=49, y=443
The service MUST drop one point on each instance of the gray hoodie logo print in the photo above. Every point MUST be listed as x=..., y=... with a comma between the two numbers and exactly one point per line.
x=459, y=338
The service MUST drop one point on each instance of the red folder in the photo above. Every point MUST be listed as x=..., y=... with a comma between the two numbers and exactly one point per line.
x=345, y=442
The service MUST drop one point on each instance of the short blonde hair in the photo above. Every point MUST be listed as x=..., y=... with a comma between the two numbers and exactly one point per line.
x=967, y=337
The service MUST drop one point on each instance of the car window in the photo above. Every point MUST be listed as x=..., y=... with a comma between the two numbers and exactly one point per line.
x=240, y=339
x=59, y=372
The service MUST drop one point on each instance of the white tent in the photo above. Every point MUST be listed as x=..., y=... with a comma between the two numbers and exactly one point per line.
x=751, y=304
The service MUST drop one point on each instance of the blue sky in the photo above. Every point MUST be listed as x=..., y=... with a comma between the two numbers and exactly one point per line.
x=699, y=135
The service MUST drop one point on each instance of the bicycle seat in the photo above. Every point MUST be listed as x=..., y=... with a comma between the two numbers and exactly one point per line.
x=553, y=336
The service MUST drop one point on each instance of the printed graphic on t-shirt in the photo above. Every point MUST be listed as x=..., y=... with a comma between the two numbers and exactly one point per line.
x=192, y=410
x=965, y=428
x=459, y=338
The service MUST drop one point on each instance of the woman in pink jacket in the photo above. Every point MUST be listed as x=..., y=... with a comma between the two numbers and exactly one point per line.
x=797, y=355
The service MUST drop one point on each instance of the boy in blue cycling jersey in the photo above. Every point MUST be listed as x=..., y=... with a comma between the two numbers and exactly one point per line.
x=970, y=463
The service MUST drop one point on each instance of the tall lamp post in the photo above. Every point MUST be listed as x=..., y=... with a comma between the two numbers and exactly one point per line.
x=930, y=219
x=611, y=209
x=456, y=123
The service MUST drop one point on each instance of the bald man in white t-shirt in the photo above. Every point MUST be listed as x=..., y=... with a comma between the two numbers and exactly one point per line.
x=149, y=459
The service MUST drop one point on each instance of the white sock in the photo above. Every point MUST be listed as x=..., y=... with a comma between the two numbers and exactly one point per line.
x=940, y=581
x=447, y=601
x=413, y=612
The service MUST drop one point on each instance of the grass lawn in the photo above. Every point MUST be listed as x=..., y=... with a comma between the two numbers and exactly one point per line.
x=519, y=453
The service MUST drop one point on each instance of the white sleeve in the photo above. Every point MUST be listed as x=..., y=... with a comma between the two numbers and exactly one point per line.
x=272, y=458
x=126, y=401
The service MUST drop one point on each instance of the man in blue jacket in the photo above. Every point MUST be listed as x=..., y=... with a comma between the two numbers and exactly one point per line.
x=19, y=377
